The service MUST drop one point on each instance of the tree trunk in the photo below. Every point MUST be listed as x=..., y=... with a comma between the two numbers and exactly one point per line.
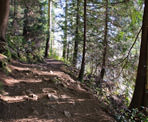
x=75, y=55
x=14, y=13
x=105, y=44
x=25, y=25
x=51, y=33
x=4, y=13
x=140, y=97
x=65, y=31
x=48, y=38
x=81, y=74
x=68, y=46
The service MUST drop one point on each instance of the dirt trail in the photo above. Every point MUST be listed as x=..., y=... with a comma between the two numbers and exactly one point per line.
x=46, y=92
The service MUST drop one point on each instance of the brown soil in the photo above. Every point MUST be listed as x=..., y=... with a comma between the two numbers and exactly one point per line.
x=46, y=92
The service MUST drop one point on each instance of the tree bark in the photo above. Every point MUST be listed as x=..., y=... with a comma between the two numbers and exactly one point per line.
x=105, y=44
x=51, y=33
x=68, y=50
x=25, y=25
x=65, y=31
x=140, y=96
x=15, y=26
x=48, y=38
x=75, y=55
x=4, y=13
x=81, y=74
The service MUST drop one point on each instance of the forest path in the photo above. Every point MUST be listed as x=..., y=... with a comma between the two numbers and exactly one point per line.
x=46, y=92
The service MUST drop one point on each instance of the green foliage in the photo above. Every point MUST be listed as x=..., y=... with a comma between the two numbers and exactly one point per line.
x=4, y=64
x=1, y=86
x=133, y=115
x=27, y=30
x=54, y=55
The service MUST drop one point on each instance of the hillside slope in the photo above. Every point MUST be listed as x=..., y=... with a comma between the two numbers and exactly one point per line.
x=46, y=92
